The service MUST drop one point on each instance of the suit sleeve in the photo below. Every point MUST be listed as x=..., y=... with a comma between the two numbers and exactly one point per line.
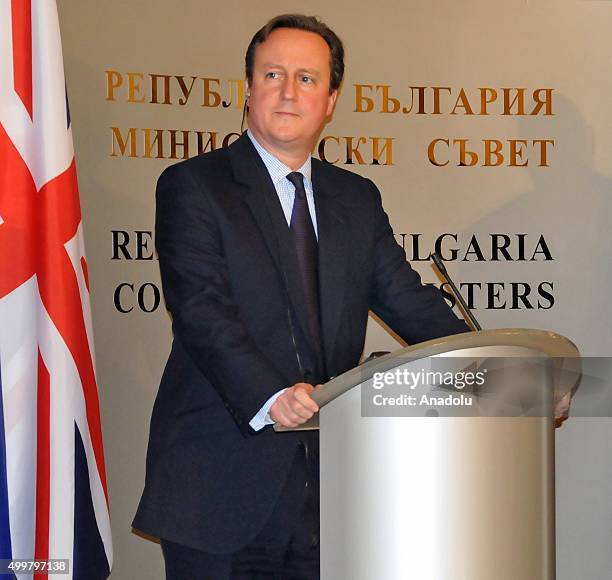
x=415, y=311
x=198, y=295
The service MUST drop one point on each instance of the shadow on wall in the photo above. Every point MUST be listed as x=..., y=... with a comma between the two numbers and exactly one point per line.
x=570, y=204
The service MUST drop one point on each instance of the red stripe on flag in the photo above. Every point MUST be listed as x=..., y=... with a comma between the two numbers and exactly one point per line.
x=18, y=208
x=59, y=291
x=21, y=11
x=43, y=464
x=85, y=273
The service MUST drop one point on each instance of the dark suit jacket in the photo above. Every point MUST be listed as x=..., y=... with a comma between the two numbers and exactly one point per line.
x=231, y=284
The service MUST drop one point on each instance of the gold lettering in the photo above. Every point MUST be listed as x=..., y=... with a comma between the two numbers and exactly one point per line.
x=386, y=100
x=464, y=153
x=122, y=144
x=547, y=102
x=322, y=152
x=353, y=150
x=387, y=149
x=436, y=98
x=155, y=89
x=135, y=94
x=211, y=144
x=175, y=143
x=431, y=152
x=186, y=90
x=114, y=80
x=519, y=99
x=487, y=96
x=363, y=104
x=463, y=103
x=544, y=143
x=493, y=147
x=157, y=142
x=210, y=98
x=516, y=153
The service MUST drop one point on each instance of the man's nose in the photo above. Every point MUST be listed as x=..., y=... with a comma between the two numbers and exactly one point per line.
x=289, y=88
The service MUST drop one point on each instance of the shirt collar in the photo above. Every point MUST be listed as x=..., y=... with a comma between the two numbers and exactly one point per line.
x=276, y=168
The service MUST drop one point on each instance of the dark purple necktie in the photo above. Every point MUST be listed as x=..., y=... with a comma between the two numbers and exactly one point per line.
x=306, y=247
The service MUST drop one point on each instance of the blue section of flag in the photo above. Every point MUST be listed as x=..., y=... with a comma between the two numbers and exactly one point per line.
x=5, y=530
x=89, y=558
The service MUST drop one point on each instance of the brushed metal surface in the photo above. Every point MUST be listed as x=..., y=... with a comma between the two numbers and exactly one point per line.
x=436, y=498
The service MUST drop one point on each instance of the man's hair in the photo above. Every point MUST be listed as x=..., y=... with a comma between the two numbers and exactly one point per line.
x=309, y=24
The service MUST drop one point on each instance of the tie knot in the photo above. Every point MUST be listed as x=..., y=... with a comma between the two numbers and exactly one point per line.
x=297, y=179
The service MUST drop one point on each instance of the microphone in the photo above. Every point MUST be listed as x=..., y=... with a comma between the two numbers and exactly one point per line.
x=442, y=269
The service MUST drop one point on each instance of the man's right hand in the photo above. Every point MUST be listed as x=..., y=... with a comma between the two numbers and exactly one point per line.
x=294, y=406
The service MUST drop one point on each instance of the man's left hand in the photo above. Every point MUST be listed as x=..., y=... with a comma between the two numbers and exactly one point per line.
x=562, y=409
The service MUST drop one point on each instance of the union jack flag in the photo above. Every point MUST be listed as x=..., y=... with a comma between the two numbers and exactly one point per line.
x=53, y=494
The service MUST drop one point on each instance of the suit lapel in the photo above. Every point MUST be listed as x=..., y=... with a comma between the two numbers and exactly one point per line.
x=250, y=171
x=334, y=240
x=263, y=201
x=333, y=233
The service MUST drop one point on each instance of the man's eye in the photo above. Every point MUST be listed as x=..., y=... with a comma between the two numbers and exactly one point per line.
x=272, y=75
x=306, y=79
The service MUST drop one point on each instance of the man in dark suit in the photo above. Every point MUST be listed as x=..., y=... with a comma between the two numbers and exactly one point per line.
x=270, y=262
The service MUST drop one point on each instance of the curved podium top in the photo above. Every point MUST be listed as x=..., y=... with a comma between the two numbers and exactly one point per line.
x=544, y=342
x=563, y=354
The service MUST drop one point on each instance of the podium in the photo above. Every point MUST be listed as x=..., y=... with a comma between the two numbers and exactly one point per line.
x=456, y=483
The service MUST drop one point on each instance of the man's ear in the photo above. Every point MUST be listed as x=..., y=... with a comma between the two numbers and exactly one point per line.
x=248, y=88
x=331, y=103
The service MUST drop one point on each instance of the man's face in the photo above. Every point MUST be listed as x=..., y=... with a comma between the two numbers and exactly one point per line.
x=290, y=97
